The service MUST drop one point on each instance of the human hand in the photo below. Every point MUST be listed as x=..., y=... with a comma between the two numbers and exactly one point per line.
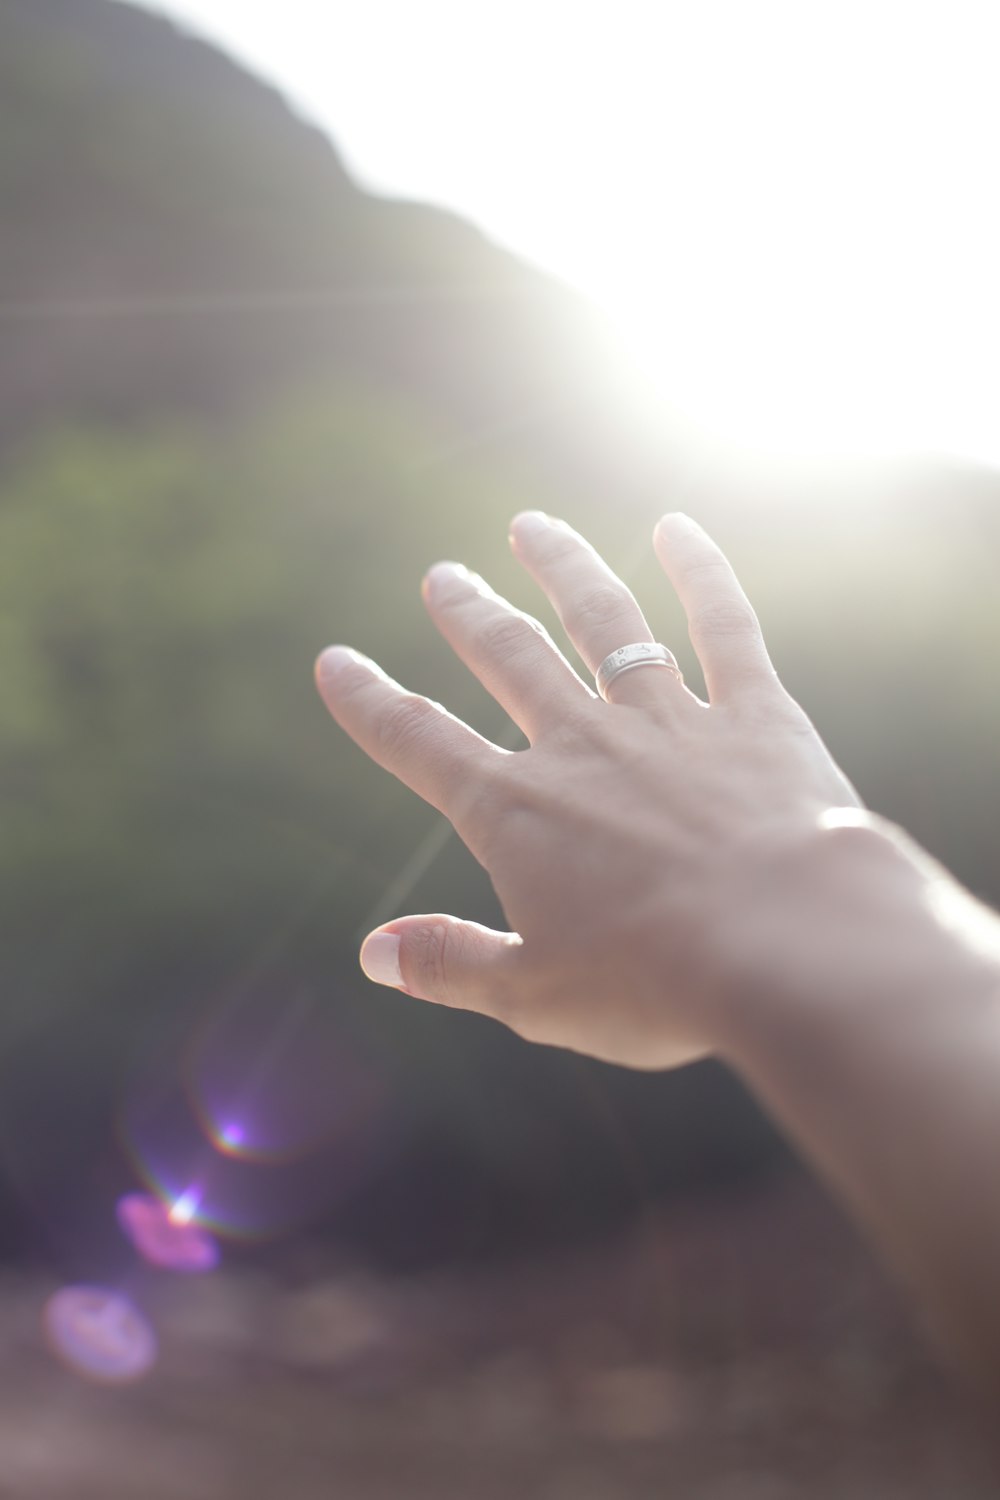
x=629, y=843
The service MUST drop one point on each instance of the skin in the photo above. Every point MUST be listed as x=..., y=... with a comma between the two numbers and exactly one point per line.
x=686, y=878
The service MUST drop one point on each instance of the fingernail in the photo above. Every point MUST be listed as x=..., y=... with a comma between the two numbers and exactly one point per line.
x=380, y=958
x=335, y=658
x=444, y=575
x=529, y=523
x=678, y=521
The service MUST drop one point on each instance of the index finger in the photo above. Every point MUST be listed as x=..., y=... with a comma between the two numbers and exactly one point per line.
x=432, y=752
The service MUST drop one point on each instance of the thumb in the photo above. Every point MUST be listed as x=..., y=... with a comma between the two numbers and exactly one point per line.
x=446, y=960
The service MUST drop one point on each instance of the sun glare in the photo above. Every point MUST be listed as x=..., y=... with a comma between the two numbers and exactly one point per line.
x=764, y=359
x=797, y=238
x=785, y=207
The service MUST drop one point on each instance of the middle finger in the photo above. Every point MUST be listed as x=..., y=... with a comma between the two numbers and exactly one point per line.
x=513, y=656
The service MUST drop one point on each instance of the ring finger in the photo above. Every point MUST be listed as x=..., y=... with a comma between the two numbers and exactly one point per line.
x=599, y=613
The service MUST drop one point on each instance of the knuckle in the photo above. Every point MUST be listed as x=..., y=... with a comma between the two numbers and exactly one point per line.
x=583, y=723
x=724, y=619
x=505, y=635
x=698, y=557
x=404, y=723
x=556, y=545
x=478, y=814
x=600, y=606
x=496, y=782
x=425, y=955
x=442, y=960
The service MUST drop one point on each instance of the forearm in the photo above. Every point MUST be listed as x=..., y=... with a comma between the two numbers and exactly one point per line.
x=870, y=1029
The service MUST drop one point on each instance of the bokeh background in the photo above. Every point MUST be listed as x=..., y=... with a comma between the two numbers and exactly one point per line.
x=244, y=403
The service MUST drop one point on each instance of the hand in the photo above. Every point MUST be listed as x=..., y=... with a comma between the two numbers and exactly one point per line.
x=629, y=844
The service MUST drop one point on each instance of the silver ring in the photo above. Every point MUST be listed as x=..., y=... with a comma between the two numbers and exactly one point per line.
x=641, y=654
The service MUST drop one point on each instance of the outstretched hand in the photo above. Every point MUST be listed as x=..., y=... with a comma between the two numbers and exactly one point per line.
x=630, y=845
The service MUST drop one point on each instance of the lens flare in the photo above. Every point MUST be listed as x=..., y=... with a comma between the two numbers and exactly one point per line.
x=184, y=1210
x=164, y=1235
x=99, y=1334
x=257, y=1120
x=232, y=1137
x=269, y=1077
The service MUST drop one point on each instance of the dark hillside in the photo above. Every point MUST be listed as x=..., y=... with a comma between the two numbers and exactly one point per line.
x=174, y=237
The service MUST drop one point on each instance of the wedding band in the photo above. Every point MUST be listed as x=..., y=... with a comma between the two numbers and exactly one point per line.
x=641, y=654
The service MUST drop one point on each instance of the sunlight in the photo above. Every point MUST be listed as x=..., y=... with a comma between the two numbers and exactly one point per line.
x=785, y=208
x=765, y=359
x=802, y=254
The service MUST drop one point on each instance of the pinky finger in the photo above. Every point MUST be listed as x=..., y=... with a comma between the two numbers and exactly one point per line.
x=722, y=624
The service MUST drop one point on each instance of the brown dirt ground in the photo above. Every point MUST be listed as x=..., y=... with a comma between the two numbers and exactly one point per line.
x=744, y=1348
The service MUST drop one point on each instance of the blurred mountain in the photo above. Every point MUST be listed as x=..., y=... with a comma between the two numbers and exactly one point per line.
x=175, y=238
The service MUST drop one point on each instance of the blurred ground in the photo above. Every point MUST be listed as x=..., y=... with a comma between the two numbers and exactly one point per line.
x=743, y=1348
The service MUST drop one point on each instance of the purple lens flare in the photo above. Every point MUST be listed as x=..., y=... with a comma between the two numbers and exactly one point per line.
x=270, y=1077
x=263, y=1106
x=165, y=1235
x=232, y=1136
x=99, y=1334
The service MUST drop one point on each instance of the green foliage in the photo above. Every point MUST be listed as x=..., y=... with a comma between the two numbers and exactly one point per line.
x=164, y=759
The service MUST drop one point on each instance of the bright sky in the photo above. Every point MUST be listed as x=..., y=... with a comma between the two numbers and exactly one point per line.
x=790, y=206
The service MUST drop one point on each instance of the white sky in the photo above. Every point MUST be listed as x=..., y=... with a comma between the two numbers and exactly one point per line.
x=790, y=206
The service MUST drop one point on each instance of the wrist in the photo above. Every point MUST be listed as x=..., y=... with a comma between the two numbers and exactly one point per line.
x=849, y=921
x=870, y=1032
